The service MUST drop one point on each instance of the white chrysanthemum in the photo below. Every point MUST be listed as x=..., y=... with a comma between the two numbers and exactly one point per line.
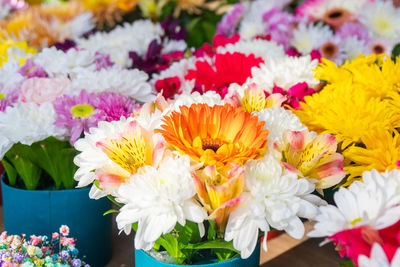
x=9, y=76
x=284, y=72
x=178, y=69
x=210, y=98
x=277, y=121
x=258, y=47
x=373, y=202
x=72, y=62
x=27, y=123
x=352, y=47
x=170, y=46
x=131, y=83
x=382, y=18
x=308, y=37
x=158, y=199
x=123, y=39
x=253, y=23
x=77, y=26
x=91, y=156
x=277, y=199
x=378, y=258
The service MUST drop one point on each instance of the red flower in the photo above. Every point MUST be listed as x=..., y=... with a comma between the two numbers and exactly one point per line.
x=227, y=68
x=295, y=93
x=218, y=40
x=358, y=241
x=315, y=54
x=168, y=86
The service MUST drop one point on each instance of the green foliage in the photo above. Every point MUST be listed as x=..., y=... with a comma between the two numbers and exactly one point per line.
x=53, y=156
x=347, y=264
x=396, y=51
x=185, y=244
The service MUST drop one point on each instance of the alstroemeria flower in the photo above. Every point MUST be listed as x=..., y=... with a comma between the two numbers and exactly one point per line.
x=313, y=157
x=219, y=191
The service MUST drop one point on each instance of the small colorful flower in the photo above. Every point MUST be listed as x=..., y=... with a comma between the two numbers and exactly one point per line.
x=55, y=235
x=115, y=106
x=64, y=230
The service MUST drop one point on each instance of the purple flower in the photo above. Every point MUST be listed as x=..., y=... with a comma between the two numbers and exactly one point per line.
x=19, y=257
x=76, y=263
x=102, y=61
x=353, y=29
x=30, y=70
x=7, y=99
x=114, y=106
x=64, y=254
x=279, y=26
x=66, y=45
x=152, y=62
x=229, y=22
x=77, y=113
x=172, y=29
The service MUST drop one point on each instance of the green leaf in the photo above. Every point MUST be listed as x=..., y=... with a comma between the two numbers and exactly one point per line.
x=64, y=161
x=188, y=233
x=110, y=211
x=11, y=172
x=112, y=199
x=224, y=255
x=212, y=230
x=27, y=170
x=214, y=244
x=347, y=264
x=171, y=244
x=396, y=51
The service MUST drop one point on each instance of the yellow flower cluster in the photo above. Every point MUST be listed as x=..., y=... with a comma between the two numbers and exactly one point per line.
x=18, y=50
x=360, y=105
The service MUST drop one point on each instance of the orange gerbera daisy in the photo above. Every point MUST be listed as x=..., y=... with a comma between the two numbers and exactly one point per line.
x=215, y=135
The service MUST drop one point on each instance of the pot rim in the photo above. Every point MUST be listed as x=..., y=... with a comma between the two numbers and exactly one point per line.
x=11, y=188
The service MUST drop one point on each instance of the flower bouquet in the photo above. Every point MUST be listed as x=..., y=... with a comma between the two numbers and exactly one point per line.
x=333, y=29
x=59, y=250
x=201, y=178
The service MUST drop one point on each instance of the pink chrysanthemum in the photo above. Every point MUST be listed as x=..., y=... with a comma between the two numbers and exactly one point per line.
x=78, y=113
x=353, y=29
x=114, y=106
x=279, y=25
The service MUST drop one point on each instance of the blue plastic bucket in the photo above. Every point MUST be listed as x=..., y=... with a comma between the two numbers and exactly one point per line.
x=42, y=212
x=142, y=259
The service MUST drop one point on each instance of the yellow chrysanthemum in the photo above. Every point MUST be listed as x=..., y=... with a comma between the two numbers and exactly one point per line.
x=381, y=152
x=347, y=111
x=215, y=135
x=17, y=50
x=378, y=75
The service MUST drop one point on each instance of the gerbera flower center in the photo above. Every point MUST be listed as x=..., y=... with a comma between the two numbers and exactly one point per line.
x=336, y=16
x=329, y=50
x=213, y=144
x=82, y=110
x=378, y=48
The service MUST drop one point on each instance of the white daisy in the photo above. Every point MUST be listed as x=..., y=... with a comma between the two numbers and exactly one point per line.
x=379, y=258
x=178, y=69
x=333, y=50
x=373, y=202
x=379, y=46
x=258, y=47
x=27, y=123
x=71, y=62
x=158, y=199
x=123, y=39
x=131, y=83
x=307, y=37
x=277, y=121
x=277, y=198
x=382, y=18
x=284, y=72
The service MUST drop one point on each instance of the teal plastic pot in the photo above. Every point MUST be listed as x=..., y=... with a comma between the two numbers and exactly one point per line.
x=142, y=259
x=42, y=212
